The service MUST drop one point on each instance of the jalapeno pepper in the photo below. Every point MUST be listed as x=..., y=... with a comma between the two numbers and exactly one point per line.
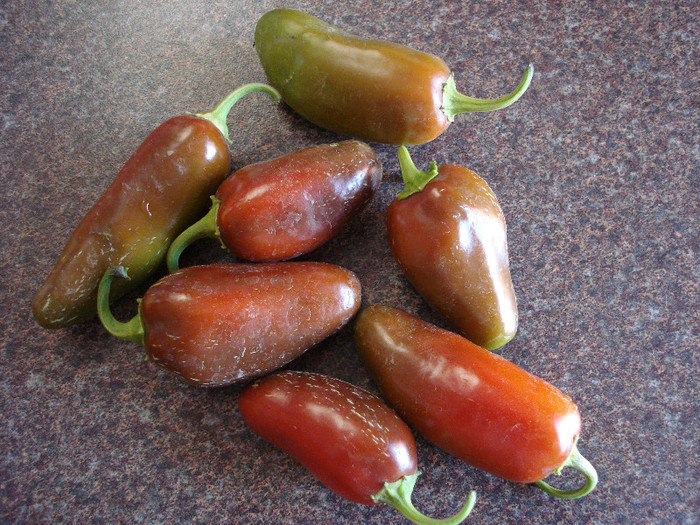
x=160, y=191
x=447, y=231
x=470, y=402
x=369, y=89
x=348, y=438
x=219, y=324
x=285, y=207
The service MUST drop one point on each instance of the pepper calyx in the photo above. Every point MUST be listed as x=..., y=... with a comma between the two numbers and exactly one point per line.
x=454, y=102
x=577, y=462
x=414, y=180
x=219, y=114
x=132, y=330
x=398, y=495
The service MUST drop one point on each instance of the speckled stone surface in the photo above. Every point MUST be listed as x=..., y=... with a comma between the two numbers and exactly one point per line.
x=596, y=169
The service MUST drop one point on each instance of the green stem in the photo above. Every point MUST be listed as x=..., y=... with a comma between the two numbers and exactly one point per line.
x=205, y=227
x=132, y=330
x=398, y=495
x=454, y=103
x=414, y=180
x=577, y=462
x=219, y=114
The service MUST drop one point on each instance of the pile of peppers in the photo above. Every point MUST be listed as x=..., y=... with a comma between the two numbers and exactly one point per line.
x=219, y=324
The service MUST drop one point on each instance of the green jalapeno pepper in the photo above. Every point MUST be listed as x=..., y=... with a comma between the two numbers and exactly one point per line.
x=160, y=191
x=370, y=89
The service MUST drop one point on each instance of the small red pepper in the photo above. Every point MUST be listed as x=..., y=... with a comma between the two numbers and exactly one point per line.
x=348, y=438
x=285, y=207
x=448, y=234
x=159, y=192
x=219, y=324
x=470, y=402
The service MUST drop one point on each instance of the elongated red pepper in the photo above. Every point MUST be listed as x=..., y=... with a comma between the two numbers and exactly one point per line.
x=348, y=438
x=160, y=191
x=219, y=324
x=470, y=402
x=285, y=207
x=448, y=234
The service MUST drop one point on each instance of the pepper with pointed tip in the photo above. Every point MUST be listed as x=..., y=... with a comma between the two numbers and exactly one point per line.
x=159, y=192
x=285, y=207
x=448, y=234
x=219, y=324
x=470, y=402
x=347, y=437
x=370, y=89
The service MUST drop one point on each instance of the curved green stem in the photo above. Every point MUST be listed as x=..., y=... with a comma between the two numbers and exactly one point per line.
x=218, y=115
x=132, y=330
x=398, y=495
x=454, y=103
x=414, y=180
x=204, y=227
x=577, y=462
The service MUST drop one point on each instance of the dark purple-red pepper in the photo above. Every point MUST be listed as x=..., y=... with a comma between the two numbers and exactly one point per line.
x=219, y=324
x=287, y=206
x=348, y=438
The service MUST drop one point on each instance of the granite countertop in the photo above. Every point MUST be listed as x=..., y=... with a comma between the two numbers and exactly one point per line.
x=596, y=169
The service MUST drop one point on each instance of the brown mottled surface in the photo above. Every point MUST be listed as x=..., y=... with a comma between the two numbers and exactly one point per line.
x=596, y=169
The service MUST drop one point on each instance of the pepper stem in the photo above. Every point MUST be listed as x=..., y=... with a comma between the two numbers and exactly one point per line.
x=454, y=103
x=577, y=462
x=132, y=330
x=414, y=180
x=398, y=495
x=207, y=226
x=219, y=114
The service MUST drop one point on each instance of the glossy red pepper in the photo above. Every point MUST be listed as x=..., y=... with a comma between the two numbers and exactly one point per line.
x=348, y=438
x=470, y=402
x=285, y=207
x=219, y=324
x=448, y=234
x=158, y=193
x=369, y=89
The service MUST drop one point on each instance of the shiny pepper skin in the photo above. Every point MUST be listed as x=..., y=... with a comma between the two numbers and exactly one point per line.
x=285, y=207
x=219, y=324
x=468, y=401
x=161, y=189
x=346, y=437
x=159, y=192
x=449, y=239
x=366, y=88
x=288, y=206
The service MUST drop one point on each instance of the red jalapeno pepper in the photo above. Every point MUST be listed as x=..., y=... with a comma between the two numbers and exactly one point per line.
x=370, y=89
x=448, y=234
x=470, y=402
x=348, y=438
x=285, y=207
x=219, y=324
x=161, y=190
